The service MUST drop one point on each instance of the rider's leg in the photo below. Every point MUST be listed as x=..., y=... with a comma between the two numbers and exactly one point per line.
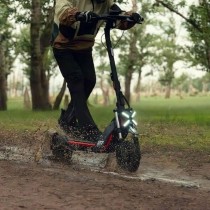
x=75, y=80
x=85, y=61
x=67, y=118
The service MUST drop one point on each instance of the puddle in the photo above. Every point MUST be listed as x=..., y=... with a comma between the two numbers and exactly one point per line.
x=159, y=170
x=163, y=171
x=16, y=154
x=90, y=160
x=23, y=155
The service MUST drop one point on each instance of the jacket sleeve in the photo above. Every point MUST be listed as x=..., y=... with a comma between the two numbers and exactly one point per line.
x=65, y=12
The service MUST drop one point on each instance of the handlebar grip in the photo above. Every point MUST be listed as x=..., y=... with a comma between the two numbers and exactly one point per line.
x=80, y=17
x=86, y=16
x=137, y=18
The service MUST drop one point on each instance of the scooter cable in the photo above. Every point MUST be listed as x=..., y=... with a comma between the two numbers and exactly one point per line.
x=119, y=39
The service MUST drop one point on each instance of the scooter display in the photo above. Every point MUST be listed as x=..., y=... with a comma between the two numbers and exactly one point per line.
x=121, y=135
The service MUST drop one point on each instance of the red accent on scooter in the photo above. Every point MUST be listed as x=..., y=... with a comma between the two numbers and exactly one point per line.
x=108, y=141
x=83, y=144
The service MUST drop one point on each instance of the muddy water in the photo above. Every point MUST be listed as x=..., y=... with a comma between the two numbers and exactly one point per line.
x=165, y=172
x=160, y=170
x=16, y=154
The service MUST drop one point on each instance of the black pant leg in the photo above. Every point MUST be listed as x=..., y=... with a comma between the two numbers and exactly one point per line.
x=85, y=61
x=74, y=77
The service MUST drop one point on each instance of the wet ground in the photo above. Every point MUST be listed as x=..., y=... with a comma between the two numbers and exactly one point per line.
x=160, y=169
x=31, y=179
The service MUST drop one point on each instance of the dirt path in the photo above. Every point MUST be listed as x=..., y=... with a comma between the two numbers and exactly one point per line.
x=165, y=182
x=60, y=186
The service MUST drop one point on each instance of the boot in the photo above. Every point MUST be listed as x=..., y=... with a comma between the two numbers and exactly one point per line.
x=92, y=134
x=67, y=122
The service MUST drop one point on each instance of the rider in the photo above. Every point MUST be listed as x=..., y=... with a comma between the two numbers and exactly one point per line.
x=72, y=42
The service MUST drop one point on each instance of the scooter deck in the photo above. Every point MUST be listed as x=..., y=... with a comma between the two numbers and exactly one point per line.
x=95, y=146
x=81, y=143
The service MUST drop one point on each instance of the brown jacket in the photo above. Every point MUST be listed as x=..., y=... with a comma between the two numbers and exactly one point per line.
x=72, y=34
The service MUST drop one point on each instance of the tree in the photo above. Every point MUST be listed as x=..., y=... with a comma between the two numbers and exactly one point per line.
x=205, y=83
x=169, y=54
x=197, y=23
x=200, y=35
x=3, y=93
x=6, y=57
x=134, y=50
x=39, y=47
x=179, y=83
x=103, y=70
x=39, y=14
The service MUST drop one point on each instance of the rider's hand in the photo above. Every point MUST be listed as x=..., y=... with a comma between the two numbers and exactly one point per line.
x=137, y=17
x=85, y=16
x=133, y=18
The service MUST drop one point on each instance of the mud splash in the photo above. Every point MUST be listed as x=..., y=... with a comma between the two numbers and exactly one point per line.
x=160, y=170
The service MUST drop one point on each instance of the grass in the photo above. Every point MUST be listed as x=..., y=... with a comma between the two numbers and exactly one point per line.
x=164, y=124
x=174, y=123
x=190, y=110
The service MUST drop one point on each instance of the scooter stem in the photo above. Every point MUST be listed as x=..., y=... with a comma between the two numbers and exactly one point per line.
x=119, y=95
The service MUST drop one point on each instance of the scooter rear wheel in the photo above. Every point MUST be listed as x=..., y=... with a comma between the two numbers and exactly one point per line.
x=60, y=148
x=128, y=155
x=62, y=154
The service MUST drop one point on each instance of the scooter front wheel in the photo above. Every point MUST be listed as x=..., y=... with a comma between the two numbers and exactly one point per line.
x=128, y=154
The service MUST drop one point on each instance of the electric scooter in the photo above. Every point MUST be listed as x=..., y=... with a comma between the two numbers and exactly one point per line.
x=121, y=135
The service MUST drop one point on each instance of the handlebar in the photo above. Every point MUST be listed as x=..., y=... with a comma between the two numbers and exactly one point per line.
x=113, y=17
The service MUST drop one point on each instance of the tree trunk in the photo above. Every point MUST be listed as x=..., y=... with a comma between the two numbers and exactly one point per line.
x=27, y=101
x=128, y=78
x=208, y=58
x=168, y=91
x=105, y=92
x=132, y=60
x=205, y=89
x=66, y=102
x=59, y=96
x=3, y=81
x=38, y=79
x=45, y=47
x=132, y=57
x=138, y=87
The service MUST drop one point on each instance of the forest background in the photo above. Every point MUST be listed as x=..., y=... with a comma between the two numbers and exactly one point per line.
x=168, y=55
